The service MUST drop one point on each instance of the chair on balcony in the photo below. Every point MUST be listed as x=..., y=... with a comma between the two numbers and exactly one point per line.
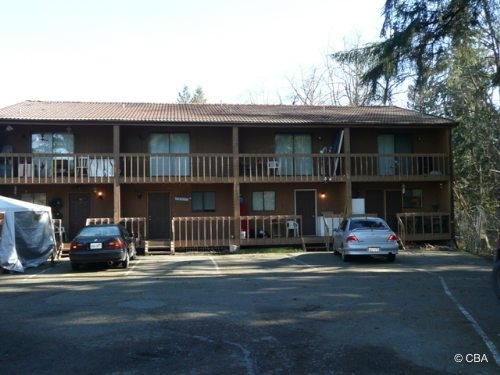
x=274, y=167
x=292, y=225
x=82, y=166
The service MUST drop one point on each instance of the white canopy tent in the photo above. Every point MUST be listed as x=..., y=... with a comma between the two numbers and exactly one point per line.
x=27, y=234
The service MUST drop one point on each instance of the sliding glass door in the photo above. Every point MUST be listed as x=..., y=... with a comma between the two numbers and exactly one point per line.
x=169, y=165
x=297, y=148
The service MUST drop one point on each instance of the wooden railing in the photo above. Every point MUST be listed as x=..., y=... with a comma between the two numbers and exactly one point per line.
x=202, y=231
x=424, y=226
x=161, y=168
x=56, y=168
x=176, y=167
x=292, y=167
x=399, y=165
x=218, y=231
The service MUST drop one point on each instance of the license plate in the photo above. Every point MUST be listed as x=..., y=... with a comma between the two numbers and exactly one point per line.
x=374, y=249
x=96, y=245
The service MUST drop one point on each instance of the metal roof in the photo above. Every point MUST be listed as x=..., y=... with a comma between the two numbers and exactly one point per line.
x=215, y=113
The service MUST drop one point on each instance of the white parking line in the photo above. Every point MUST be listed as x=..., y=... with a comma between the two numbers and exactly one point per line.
x=477, y=328
x=475, y=325
x=215, y=265
x=491, y=346
x=136, y=263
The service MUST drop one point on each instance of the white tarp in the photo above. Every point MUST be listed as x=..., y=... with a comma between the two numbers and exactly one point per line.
x=27, y=237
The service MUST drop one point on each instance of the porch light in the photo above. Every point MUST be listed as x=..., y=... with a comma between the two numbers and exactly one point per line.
x=322, y=195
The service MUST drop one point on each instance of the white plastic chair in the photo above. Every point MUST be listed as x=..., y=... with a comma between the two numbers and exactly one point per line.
x=292, y=225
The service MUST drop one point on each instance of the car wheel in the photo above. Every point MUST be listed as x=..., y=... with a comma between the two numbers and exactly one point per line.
x=495, y=278
x=75, y=266
x=391, y=257
x=345, y=257
x=125, y=262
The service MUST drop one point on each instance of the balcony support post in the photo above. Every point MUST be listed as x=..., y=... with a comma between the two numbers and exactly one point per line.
x=116, y=175
x=348, y=186
x=236, y=187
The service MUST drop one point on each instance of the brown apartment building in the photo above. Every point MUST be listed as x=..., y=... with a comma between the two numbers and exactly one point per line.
x=217, y=175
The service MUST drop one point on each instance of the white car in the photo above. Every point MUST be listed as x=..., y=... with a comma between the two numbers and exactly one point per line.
x=365, y=236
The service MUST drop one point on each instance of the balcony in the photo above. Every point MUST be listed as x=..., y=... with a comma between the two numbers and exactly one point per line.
x=36, y=168
x=382, y=167
x=292, y=167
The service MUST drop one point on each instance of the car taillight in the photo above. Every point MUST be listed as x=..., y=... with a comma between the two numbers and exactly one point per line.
x=352, y=238
x=76, y=246
x=392, y=237
x=116, y=244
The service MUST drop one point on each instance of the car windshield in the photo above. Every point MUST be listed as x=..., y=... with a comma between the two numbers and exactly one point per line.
x=361, y=224
x=99, y=231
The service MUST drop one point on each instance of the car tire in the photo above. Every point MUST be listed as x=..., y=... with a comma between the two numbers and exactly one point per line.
x=495, y=279
x=125, y=262
x=75, y=266
x=391, y=257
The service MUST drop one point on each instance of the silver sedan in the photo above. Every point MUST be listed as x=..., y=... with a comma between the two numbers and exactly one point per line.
x=365, y=236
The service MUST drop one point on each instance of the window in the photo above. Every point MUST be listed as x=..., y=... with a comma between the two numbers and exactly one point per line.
x=203, y=201
x=299, y=144
x=37, y=198
x=51, y=143
x=413, y=198
x=166, y=143
x=263, y=201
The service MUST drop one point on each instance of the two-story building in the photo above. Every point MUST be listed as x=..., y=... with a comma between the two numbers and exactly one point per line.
x=218, y=175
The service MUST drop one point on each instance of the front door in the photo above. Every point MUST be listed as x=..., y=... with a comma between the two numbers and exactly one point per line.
x=305, y=205
x=79, y=211
x=159, y=215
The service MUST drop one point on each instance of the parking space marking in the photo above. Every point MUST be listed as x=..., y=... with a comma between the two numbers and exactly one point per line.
x=489, y=344
x=136, y=263
x=217, y=269
x=475, y=325
x=294, y=258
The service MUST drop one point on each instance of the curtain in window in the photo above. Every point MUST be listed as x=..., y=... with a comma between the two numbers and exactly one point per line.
x=288, y=144
x=51, y=143
x=164, y=143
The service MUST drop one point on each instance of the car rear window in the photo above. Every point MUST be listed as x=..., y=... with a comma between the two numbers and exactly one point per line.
x=99, y=231
x=367, y=224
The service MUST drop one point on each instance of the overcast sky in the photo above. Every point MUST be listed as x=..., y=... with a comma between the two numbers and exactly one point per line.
x=146, y=51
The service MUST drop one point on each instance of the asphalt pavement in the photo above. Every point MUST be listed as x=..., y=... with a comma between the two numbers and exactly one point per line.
x=429, y=312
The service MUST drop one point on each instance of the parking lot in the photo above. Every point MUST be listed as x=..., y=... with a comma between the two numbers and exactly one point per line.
x=430, y=312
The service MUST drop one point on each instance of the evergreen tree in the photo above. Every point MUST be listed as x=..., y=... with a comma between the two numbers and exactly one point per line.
x=185, y=96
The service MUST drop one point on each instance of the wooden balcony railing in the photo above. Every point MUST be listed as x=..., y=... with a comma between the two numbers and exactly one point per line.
x=176, y=167
x=424, y=226
x=399, y=166
x=161, y=168
x=56, y=168
x=292, y=167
